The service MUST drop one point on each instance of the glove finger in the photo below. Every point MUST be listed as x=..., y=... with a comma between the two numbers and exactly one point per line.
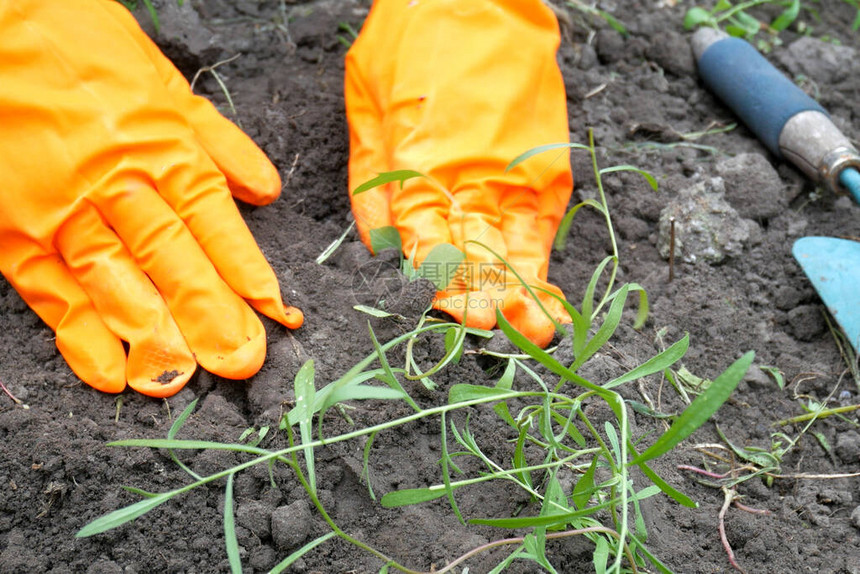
x=91, y=350
x=367, y=157
x=224, y=334
x=195, y=190
x=528, y=251
x=251, y=176
x=159, y=360
x=476, y=307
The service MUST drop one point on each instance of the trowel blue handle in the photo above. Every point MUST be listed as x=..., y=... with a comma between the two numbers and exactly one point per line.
x=756, y=92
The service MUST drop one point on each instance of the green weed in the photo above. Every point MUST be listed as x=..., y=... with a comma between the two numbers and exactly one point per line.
x=577, y=472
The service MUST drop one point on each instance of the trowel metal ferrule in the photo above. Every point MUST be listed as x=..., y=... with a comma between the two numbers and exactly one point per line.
x=789, y=123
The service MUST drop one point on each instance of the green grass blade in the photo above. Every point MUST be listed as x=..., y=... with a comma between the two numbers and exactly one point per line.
x=305, y=391
x=332, y=247
x=174, y=429
x=548, y=521
x=390, y=378
x=154, y=15
x=410, y=496
x=606, y=330
x=401, y=175
x=700, y=410
x=123, y=515
x=181, y=444
x=446, y=475
x=567, y=221
x=588, y=298
x=288, y=561
x=230, y=540
x=365, y=464
x=540, y=149
x=584, y=487
x=542, y=356
x=465, y=392
x=664, y=360
x=652, y=181
x=644, y=307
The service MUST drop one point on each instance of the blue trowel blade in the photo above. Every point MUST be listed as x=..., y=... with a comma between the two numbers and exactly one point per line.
x=833, y=267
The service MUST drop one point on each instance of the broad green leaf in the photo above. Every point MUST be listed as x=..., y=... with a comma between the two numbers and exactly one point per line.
x=401, y=175
x=601, y=555
x=541, y=149
x=441, y=264
x=700, y=410
x=584, y=487
x=230, y=540
x=652, y=181
x=288, y=561
x=722, y=6
x=567, y=221
x=748, y=22
x=383, y=238
x=697, y=16
x=663, y=360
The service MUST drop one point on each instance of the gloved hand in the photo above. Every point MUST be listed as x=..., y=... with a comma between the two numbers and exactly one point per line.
x=456, y=90
x=116, y=219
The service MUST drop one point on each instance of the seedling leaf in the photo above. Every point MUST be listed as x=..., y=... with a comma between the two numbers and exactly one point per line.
x=441, y=264
x=230, y=540
x=700, y=410
x=655, y=364
x=119, y=517
x=383, y=238
x=401, y=175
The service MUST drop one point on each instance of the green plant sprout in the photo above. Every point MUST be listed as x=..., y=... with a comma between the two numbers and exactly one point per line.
x=738, y=22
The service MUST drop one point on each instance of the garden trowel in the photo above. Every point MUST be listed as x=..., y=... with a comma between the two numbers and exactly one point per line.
x=793, y=126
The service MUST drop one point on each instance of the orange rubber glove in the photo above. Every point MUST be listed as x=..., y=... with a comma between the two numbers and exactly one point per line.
x=456, y=90
x=116, y=219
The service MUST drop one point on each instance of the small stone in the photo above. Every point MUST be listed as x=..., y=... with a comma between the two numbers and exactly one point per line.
x=291, y=525
x=848, y=447
x=707, y=228
x=256, y=516
x=855, y=517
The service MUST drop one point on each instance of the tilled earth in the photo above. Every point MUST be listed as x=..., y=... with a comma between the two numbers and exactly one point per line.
x=640, y=95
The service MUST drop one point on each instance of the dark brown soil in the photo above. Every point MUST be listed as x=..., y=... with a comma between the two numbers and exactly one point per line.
x=635, y=92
